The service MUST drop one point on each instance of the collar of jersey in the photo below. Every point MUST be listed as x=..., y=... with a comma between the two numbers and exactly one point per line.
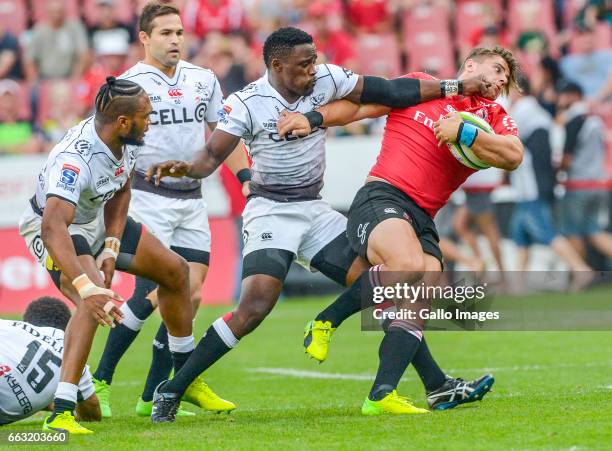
x=280, y=98
x=161, y=74
x=107, y=149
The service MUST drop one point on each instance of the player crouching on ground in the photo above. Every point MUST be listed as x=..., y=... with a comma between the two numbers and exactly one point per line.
x=390, y=221
x=30, y=366
x=79, y=212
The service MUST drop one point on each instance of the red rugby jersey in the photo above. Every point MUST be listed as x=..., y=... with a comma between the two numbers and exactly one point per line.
x=410, y=157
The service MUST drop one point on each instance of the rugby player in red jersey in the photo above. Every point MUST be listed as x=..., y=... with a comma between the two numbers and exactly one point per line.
x=391, y=218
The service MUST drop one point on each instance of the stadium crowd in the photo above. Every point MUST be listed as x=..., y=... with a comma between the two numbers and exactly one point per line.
x=54, y=54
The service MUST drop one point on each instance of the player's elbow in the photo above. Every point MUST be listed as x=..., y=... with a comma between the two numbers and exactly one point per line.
x=514, y=157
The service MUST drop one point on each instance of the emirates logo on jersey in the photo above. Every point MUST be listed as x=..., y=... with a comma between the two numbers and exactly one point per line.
x=175, y=92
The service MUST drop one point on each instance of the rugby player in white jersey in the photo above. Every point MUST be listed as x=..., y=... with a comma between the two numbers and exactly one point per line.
x=79, y=212
x=30, y=366
x=285, y=218
x=185, y=98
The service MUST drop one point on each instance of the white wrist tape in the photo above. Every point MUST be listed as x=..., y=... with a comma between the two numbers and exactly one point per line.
x=87, y=288
x=111, y=246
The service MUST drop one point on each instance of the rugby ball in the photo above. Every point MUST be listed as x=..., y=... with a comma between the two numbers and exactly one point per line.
x=463, y=153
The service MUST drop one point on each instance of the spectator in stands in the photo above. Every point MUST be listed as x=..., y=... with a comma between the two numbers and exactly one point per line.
x=222, y=16
x=479, y=211
x=586, y=199
x=334, y=45
x=107, y=28
x=533, y=182
x=110, y=59
x=17, y=135
x=10, y=59
x=370, y=16
x=589, y=67
x=58, y=48
x=219, y=58
x=61, y=113
x=544, y=78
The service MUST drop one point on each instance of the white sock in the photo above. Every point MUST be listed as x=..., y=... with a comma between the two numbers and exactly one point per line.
x=130, y=320
x=67, y=391
x=181, y=344
x=225, y=332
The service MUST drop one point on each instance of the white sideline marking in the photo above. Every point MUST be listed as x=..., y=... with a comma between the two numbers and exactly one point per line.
x=306, y=374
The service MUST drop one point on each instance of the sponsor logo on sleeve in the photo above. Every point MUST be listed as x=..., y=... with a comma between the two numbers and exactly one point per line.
x=4, y=369
x=69, y=176
x=223, y=112
x=347, y=72
x=266, y=236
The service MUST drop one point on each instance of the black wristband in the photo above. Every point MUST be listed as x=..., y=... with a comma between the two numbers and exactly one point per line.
x=449, y=88
x=244, y=175
x=459, y=131
x=315, y=119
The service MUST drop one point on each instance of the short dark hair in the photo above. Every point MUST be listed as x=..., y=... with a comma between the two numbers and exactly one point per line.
x=117, y=97
x=153, y=10
x=47, y=312
x=481, y=53
x=282, y=41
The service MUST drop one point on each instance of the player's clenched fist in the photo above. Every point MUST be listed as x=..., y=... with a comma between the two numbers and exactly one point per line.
x=295, y=123
x=479, y=86
x=171, y=168
x=446, y=129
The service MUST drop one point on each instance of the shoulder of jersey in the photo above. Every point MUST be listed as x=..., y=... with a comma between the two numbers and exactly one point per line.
x=78, y=140
x=249, y=90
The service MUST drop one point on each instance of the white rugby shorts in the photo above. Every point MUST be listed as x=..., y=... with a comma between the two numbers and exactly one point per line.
x=303, y=228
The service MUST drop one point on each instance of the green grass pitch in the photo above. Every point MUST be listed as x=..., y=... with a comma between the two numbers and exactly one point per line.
x=553, y=390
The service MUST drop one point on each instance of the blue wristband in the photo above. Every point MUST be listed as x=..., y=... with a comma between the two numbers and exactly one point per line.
x=467, y=134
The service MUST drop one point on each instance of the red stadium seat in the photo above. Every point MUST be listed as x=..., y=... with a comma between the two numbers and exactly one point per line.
x=378, y=54
x=425, y=18
x=470, y=16
x=540, y=12
x=124, y=11
x=431, y=52
x=39, y=9
x=13, y=16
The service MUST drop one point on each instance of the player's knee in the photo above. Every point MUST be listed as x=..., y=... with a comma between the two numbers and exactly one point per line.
x=408, y=268
x=176, y=274
x=250, y=316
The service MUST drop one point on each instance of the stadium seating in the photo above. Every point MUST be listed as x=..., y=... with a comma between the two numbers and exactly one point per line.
x=378, y=54
x=470, y=16
x=13, y=16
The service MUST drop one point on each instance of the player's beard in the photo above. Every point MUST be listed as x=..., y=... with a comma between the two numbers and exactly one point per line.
x=132, y=139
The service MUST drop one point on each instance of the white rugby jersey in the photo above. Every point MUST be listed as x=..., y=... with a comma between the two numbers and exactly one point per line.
x=30, y=364
x=284, y=168
x=82, y=170
x=181, y=106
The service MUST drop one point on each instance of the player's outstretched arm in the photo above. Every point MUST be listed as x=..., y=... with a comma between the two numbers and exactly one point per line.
x=340, y=112
x=115, y=217
x=404, y=92
x=218, y=147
